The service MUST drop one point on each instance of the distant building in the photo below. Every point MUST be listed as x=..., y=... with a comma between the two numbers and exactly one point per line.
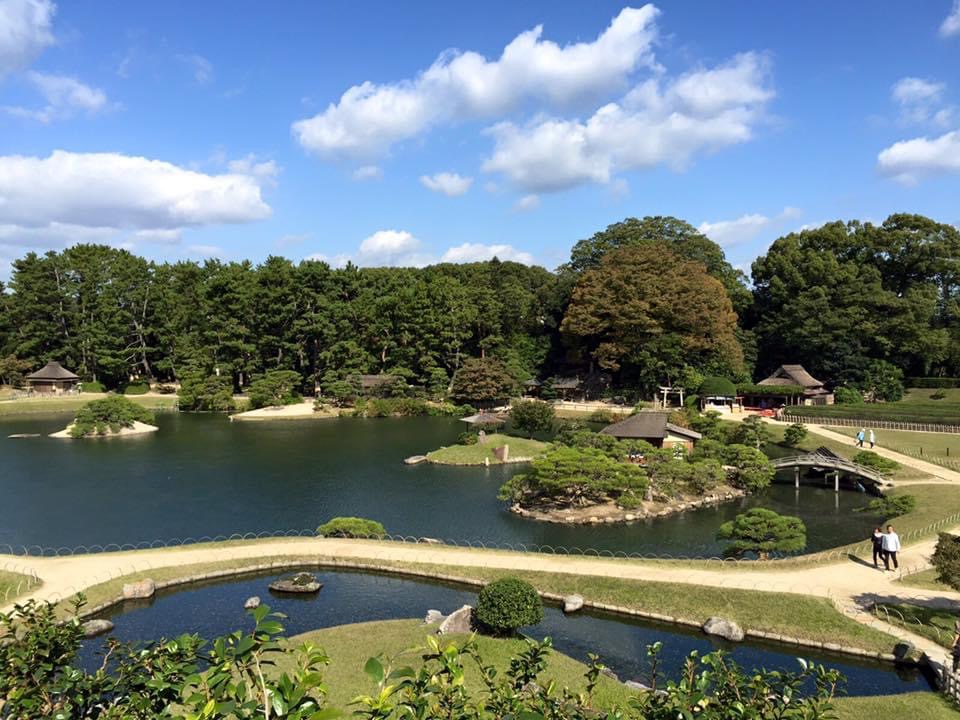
x=813, y=390
x=655, y=429
x=52, y=379
x=378, y=384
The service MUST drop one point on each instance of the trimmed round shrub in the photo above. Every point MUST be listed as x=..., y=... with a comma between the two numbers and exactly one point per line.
x=351, y=527
x=508, y=604
x=717, y=386
x=136, y=389
x=92, y=386
x=108, y=415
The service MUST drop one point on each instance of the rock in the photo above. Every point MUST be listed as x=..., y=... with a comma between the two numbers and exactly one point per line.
x=24, y=435
x=92, y=628
x=302, y=582
x=415, y=459
x=723, y=628
x=459, y=621
x=634, y=685
x=629, y=517
x=610, y=674
x=902, y=649
x=594, y=519
x=572, y=603
x=251, y=603
x=139, y=590
x=430, y=541
x=433, y=617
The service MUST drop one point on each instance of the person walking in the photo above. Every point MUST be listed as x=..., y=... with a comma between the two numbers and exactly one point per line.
x=891, y=546
x=873, y=438
x=955, y=645
x=877, y=546
x=860, y=436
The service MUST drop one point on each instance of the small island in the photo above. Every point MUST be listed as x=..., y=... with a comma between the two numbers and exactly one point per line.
x=489, y=450
x=113, y=416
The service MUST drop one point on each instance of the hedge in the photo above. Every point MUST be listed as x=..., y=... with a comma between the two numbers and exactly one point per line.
x=751, y=389
x=933, y=382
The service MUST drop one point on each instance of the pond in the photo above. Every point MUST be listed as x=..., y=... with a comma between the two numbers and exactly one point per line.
x=204, y=475
x=216, y=608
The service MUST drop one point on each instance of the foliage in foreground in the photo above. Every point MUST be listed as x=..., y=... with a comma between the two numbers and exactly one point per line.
x=351, y=527
x=763, y=531
x=107, y=415
x=237, y=677
x=946, y=560
x=508, y=604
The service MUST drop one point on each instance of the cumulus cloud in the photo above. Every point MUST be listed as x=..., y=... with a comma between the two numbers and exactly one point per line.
x=121, y=191
x=25, y=30
x=746, y=227
x=52, y=234
x=477, y=252
x=920, y=101
x=528, y=203
x=951, y=23
x=702, y=111
x=450, y=184
x=370, y=117
x=367, y=172
x=64, y=97
x=909, y=161
x=264, y=171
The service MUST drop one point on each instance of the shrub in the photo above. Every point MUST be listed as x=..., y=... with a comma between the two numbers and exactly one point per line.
x=351, y=527
x=753, y=431
x=938, y=395
x=893, y=506
x=933, y=382
x=946, y=560
x=277, y=387
x=794, y=434
x=601, y=416
x=884, y=381
x=507, y=604
x=205, y=393
x=111, y=414
x=137, y=389
x=716, y=386
x=629, y=501
x=763, y=531
x=754, y=469
x=92, y=386
x=876, y=462
x=847, y=396
x=468, y=438
x=531, y=416
x=166, y=389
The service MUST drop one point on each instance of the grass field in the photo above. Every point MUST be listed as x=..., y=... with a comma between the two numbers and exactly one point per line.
x=935, y=447
x=927, y=580
x=933, y=623
x=11, y=583
x=918, y=706
x=915, y=407
x=72, y=404
x=478, y=454
x=794, y=615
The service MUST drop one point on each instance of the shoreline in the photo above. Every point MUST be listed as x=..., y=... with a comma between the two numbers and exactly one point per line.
x=299, y=411
x=138, y=428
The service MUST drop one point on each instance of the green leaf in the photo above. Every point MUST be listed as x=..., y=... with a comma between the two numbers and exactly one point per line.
x=374, y=668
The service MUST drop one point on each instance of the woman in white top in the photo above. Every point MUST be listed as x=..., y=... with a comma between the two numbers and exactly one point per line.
x=891, y=546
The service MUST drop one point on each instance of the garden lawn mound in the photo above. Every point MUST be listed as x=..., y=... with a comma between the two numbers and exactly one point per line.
x=138, y=428
x=349, y=647
x=521, y=450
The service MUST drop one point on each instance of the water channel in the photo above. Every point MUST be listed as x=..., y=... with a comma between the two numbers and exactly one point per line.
x=215, y=608
x=202, y=475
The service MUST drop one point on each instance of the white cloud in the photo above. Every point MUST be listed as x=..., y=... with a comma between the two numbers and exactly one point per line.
x=450, y=184
x=527, y=203
x=477, y=252
x=264, y=171
x=64, y=96
x=201, y=68
x=53, y=234
x=951, y=23
x=734, y=232
x=388, y=247
x=339, y=260
x=164, y=236
x=369, y=118
x=121, y=191
x=920, y=101
x=702, y=111
x=25, y=30
x=367, y=172
x=909, y=161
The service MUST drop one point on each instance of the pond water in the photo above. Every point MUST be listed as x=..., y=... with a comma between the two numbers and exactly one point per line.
x=203, y=475
x=216, y=608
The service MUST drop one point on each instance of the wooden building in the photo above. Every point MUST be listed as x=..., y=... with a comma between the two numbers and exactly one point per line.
x=804, y=389
x=52, y=379
x=655, y=428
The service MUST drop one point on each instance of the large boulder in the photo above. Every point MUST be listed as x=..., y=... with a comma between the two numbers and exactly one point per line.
x=572, y=603
x=458, y=622
x=433, y=617
x=139, y=590
x=92, y=628
x=903, y=649
x=726, y=629
x=302, y=582
x=252, y=603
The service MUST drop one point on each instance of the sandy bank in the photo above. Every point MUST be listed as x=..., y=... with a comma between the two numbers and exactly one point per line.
x=300, y=411
x=138, y=428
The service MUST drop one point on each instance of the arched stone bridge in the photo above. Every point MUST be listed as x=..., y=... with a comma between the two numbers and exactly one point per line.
x=831, y=462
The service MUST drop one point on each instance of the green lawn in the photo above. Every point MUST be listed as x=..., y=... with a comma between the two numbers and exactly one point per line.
x=917, y=706
x=477, y=454
x=349, y=647
x=935, y=447
x=11, y=583
x=933, y=623
x=916, y=406
x=72, y=404
x=781, y=613
x=926, y=579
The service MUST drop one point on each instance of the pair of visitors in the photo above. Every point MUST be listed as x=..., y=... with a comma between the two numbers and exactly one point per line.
x=891, y=546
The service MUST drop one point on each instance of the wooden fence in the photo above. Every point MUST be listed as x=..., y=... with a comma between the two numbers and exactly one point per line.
x=950, y=684
x=877, y=424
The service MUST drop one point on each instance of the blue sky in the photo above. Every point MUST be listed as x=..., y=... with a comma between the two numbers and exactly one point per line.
x=407, y=133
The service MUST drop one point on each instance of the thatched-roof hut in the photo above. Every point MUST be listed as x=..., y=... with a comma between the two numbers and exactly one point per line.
x=52, y=379
x=654, y=428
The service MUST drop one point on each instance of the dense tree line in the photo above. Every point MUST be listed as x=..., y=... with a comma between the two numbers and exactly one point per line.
x=648, y=300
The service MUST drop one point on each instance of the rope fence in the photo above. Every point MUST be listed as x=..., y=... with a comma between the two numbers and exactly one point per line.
x=870, y=422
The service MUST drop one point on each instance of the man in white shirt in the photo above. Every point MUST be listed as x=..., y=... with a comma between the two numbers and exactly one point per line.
x=891, y=546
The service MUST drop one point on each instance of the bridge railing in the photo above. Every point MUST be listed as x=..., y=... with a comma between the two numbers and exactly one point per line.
x=829, y=462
